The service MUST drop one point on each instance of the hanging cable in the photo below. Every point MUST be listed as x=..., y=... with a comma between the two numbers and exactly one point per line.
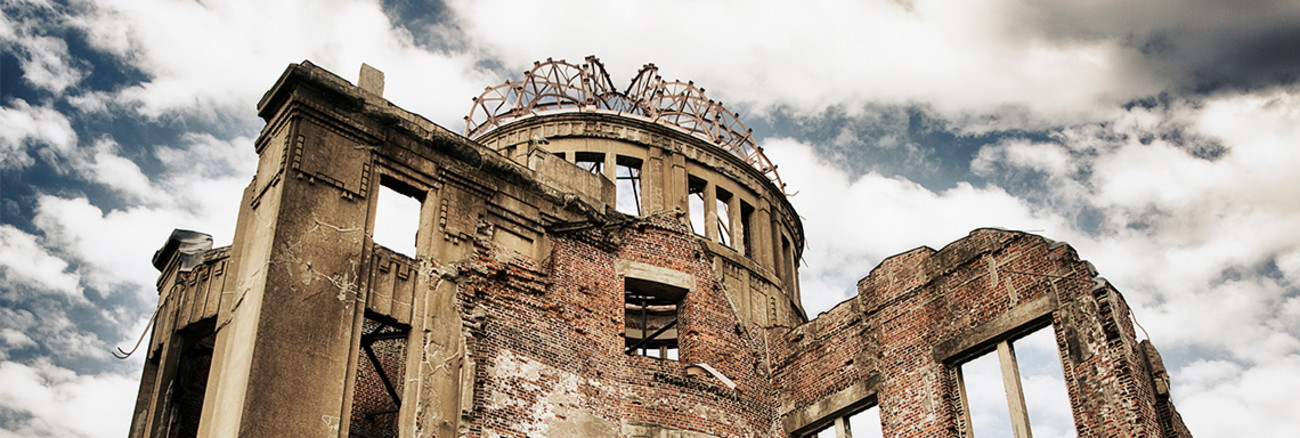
x=122, y=354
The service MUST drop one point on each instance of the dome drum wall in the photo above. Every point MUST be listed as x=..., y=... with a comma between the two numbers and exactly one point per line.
x=760, y=231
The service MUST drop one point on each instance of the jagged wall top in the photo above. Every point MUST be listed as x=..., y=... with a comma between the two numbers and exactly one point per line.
x=560, y=86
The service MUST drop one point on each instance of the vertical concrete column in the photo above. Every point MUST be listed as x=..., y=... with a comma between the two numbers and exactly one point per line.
x=734, y=216
x=711, y=211
x=1015, y=395
x=304, y=274
x=675, y=185
x=779, y=257
x=655, y=183
x=611, y=167
x=762, y=238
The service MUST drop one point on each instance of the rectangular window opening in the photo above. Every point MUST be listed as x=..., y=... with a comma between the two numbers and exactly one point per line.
x=627, y=176
x=651, y=319
x=746, y=229
x=1017, y=388
x=189, y=386
x=724, y=217
x=381, y=376
x=594, y=162
x=695, y=192
x=397, y=216
x=785, y=271
x=861, y=424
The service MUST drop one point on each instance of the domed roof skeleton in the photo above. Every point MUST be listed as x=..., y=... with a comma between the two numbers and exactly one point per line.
x=554, y=86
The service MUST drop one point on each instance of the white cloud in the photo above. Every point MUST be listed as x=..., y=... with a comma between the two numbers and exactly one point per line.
x=25, y=261
x=852, y=225
x=187, y=50
x=972, y=62
x=15, y=339
x=1222, y=398
x=56, y=402
x=32, y=126
x=45, y=60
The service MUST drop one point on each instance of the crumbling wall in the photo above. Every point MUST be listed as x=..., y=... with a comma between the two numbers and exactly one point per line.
x=920, y=314
x=547, y=343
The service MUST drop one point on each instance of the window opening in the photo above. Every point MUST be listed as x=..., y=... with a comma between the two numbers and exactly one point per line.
x=650, y=316
x=381, y=370
x=397, y=216
x=1019, y=384
x=861, y=424
x=189, y=386
x=724, y=217
x=695, y=191
x=866, y=424
x=786, y=270
x=594, y=162
x=1043, y=381
x=627, y=178
x=746, y=228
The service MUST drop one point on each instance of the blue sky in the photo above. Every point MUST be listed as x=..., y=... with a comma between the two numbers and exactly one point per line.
x=1159, y=138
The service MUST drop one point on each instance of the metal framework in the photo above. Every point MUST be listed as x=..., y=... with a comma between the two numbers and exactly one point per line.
x=554, y=86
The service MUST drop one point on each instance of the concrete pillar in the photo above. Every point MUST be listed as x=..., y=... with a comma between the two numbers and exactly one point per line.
x=711, y=211
x=656, y=184
x=762, y=238
x=1015, y=395
x=678, y=190
x=734, y=216
x=610, y=167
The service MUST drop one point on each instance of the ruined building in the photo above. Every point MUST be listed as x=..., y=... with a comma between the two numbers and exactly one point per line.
x=596, y=263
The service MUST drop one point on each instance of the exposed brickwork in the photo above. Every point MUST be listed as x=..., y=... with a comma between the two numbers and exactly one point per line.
x=370, y=395
x=545, y=333
x=915, y=304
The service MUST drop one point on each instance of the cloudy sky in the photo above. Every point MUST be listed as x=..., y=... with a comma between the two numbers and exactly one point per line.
x=1159, y=138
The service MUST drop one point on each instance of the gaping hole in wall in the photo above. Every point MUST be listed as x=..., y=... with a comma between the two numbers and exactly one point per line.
x=189, y=385
x=1016, y=388
x=1043, y=381
x=695, y=193
x=986, y=399
x=746, y=229
x=861, y=424
x=650, y=316
x=723, y=206
x=627, y=176
x=397, y=216
x=786, y=269
x=866, y=424
x=594, y=162
x=381, y=376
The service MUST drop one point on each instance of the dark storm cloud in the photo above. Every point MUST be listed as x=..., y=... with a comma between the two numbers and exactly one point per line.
x=1202, y=48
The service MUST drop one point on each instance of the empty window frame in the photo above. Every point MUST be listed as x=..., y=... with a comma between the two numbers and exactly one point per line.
x=786, y=269
x=397, y=216
x=594, y=162
x=746, y=229
x=723, y=208
x=695, y=193
x=627, y=180
x=862, y=424
x=650, y=315
x=1019, y=384
x=380, y=378
x=188, y=387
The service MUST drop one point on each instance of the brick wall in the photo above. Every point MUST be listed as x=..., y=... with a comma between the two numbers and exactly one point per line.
x=921, y=313
x=547, y=340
